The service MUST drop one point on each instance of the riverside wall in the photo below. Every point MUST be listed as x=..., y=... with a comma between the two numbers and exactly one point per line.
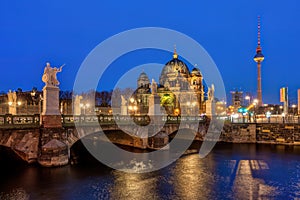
x=27, y=142
x=269, y=133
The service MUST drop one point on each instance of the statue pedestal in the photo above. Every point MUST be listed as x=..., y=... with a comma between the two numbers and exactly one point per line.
x=51, y=116
x=123, y=110
x=154, y=105
x=210, y=108
x=51, y=121
x=76, y=105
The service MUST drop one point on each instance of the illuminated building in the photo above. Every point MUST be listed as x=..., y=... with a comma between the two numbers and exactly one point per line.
x=180, y=90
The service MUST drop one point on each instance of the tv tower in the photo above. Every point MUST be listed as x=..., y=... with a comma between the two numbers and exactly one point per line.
x=258, y=58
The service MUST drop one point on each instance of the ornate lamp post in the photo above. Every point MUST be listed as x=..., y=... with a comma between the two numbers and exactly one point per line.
x=132, y=107
x=294, y=106
x=84, y=106
x=249, y=99
x=255, y=102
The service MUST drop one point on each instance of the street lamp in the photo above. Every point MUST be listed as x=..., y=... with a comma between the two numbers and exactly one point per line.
x=13, y=107
x=84, y=106
x=293, y=106
x=131, y=100
x=268, y=115
x=255, y=102
x=280, y=107
x=248, y=98
x=132, y=109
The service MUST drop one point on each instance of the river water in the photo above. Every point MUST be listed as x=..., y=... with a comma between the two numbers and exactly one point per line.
x=230, y=171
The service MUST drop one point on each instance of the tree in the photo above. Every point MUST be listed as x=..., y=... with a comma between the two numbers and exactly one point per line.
x=65, y=95
x=19, y=90
x=116, y=97
x=103, y=98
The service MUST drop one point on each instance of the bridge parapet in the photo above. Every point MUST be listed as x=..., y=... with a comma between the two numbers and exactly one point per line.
x=126, y=119
x=17, y=121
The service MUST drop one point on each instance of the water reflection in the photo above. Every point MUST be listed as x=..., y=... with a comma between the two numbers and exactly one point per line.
x=134, y=186
x=246, y=186
x=228, y=172
x=18, y=193
x=190, y=178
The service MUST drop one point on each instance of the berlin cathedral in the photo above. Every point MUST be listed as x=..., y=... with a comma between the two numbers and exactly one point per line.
x=180, y=91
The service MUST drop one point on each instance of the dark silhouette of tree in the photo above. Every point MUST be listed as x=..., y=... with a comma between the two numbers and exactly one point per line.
x=103, y=98
x=65, y=95
x=116, y=97
x=19, y=90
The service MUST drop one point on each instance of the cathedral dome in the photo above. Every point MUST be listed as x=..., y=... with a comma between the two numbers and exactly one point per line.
x=174, y=68
x=143, y=80
x=143, y=76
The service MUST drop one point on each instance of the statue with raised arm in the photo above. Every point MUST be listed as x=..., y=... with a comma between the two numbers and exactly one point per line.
x=49, y=76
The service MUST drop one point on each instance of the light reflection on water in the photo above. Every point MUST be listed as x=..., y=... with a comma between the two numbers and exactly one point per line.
x=229, y=172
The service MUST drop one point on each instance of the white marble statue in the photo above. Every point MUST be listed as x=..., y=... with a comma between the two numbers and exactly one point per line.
x=123, y=101
x=211, y=93
x=49, y=76
x=153, y=87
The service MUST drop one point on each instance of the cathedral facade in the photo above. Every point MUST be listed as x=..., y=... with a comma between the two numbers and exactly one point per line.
x=180, y=90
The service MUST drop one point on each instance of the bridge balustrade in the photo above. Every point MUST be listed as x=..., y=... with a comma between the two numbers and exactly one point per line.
x=125, y=119
x=9, y=120
x=273, y=119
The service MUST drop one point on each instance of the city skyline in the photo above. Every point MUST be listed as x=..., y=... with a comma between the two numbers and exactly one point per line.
x=34, y=34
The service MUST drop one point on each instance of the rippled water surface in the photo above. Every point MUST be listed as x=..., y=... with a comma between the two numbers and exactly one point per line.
x=230, y=171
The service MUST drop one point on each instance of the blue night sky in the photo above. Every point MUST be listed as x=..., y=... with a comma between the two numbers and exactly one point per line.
x=34, y=32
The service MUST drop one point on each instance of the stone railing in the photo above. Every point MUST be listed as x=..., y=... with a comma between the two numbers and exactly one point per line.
x=11, y=121
x=290, y=119
x=126, y=119
x=19, y=121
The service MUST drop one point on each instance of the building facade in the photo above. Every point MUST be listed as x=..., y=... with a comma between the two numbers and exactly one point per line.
x=180, y=90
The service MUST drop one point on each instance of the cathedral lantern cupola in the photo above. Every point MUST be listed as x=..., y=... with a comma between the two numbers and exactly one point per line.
x=143, y=80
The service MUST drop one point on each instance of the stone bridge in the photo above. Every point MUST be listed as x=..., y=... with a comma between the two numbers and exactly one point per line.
x=26, y=137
